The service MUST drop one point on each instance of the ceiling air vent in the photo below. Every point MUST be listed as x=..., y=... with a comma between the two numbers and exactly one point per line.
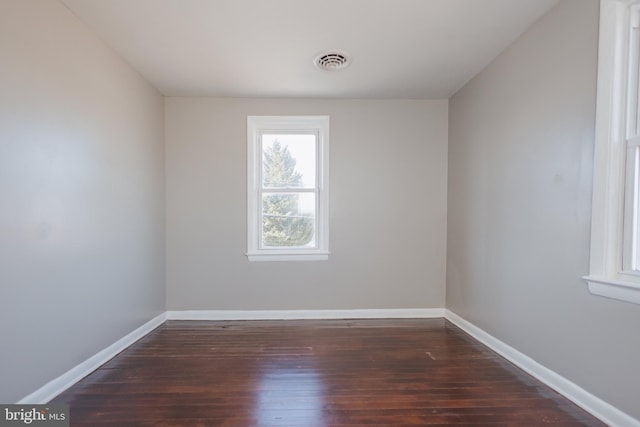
x=332, y=60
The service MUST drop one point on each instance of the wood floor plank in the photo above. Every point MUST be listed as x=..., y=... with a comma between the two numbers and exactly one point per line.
x=338, y=373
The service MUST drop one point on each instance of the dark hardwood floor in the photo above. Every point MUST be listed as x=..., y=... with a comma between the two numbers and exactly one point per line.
x=333, y=373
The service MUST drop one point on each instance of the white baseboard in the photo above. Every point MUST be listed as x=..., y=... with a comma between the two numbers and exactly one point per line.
x=399, y=313
x=597, y=407
x=56, y=386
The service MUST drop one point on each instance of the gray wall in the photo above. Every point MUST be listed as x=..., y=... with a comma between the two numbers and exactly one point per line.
x=520, y=169
x=81, y=196
x=388, y=208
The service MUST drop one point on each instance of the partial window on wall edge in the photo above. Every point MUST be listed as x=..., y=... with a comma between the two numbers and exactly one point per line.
x=614, y=269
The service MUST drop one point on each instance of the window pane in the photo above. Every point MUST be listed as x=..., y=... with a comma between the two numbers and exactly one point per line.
x=634, y=88
x=634, y=74
x=288, y=220
x=288, y=160
x=636, y=205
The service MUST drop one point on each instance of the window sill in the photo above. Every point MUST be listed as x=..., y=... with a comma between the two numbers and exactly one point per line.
x=614, y=288
x=262, y=257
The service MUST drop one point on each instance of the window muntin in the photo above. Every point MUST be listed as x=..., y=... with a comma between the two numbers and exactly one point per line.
x=287, y=187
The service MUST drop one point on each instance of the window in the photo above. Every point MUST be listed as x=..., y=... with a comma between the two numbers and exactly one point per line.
x=288, y=191
x=615, y=230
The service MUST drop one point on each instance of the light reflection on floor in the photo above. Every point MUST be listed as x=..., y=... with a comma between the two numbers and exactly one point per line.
x=290, y=395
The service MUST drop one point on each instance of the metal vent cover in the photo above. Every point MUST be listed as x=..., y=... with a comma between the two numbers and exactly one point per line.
x=332, y=60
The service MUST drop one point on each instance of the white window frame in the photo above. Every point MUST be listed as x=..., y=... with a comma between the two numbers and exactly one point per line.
x=256, y=126
x=611, y=274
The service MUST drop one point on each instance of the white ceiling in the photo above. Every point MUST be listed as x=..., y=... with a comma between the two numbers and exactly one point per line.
x=265, y=48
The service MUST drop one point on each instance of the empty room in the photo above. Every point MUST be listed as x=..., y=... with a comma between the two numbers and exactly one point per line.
x=319, y=213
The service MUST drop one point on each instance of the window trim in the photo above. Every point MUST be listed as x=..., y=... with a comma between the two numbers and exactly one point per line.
x=607, y=276
x=256, y=126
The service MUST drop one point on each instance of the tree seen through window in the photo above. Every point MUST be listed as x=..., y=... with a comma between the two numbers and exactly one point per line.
x=284, y=223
